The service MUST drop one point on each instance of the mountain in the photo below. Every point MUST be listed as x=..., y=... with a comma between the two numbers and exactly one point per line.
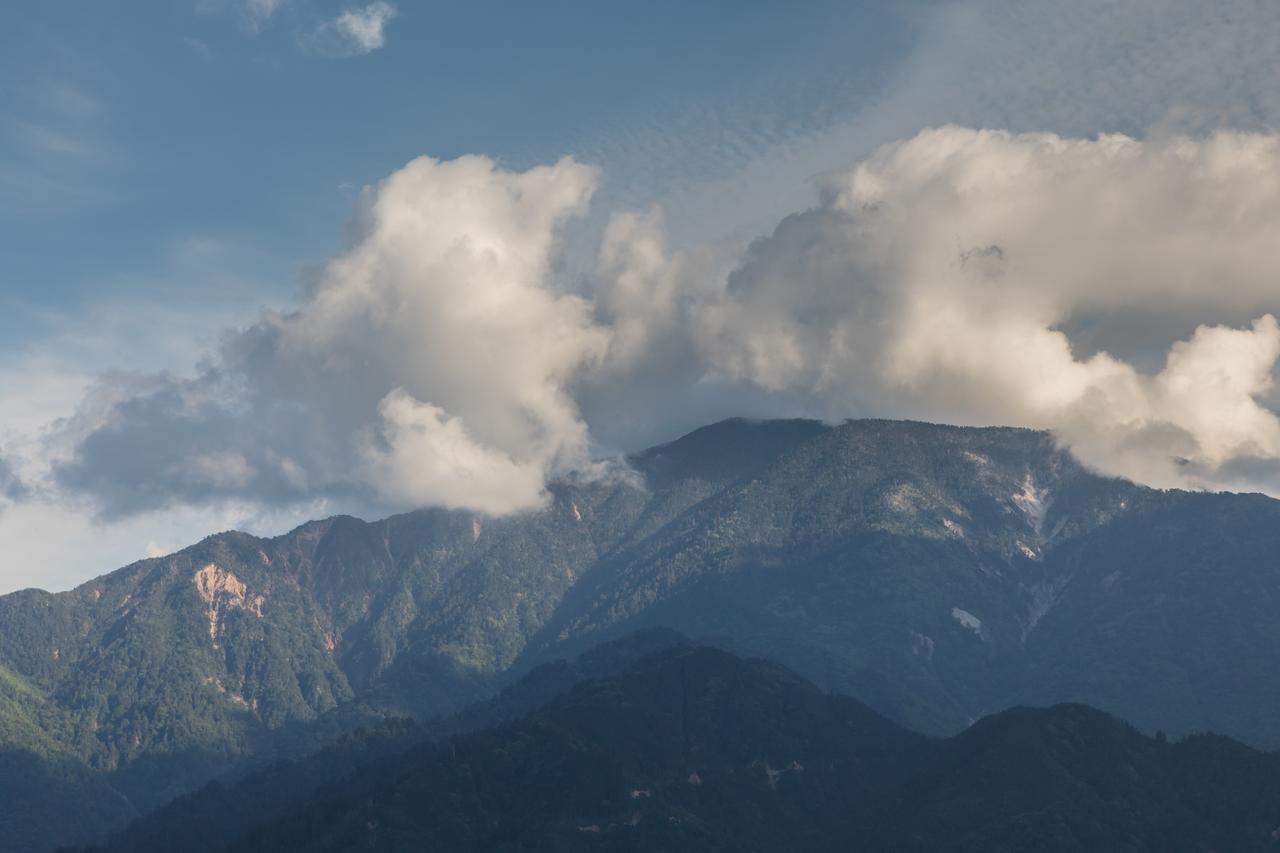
x=218, y=814
x=938, y=574
x=692, y=748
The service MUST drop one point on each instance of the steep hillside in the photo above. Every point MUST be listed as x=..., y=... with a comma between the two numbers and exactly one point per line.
x=218, y=814
x=695, y=749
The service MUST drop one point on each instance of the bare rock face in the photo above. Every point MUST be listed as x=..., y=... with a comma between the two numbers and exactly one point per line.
x=223, y=591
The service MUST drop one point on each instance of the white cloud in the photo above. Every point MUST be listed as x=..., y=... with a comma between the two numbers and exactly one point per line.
x=431, y=363
x=440, y=359
x=436, y=362
x=1076, y=69
x=430, y=457
x=937, y=279
x=355, y=31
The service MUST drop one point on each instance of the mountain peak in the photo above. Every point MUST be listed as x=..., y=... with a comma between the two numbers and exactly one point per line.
x=936, y=573
x=736, y=447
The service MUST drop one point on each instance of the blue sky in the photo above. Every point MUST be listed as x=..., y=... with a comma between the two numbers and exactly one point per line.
x=146, y=138
x=183, y=182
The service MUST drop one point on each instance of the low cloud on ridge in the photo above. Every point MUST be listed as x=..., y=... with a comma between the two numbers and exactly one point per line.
x=442, y=360
x=936, y=280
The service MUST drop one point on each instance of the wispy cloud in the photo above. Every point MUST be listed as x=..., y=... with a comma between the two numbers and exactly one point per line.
x=67, y=100
x=53, y=153
x=355, y=32
x=46, y=140
x=197, y=46
x=258, y=12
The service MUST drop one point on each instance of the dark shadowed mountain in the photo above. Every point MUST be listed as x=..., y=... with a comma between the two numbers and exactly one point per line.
x=695, y=749
x=218, y=814
x=938, y=574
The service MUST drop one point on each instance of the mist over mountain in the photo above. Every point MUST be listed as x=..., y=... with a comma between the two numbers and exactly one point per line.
x=938, y=574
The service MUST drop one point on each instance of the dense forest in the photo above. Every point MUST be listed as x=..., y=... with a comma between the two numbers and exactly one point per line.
x=692, y=748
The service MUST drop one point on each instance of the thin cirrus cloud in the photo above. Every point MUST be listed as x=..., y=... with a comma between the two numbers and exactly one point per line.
x=55, y=150
x=439, y=361
x=258, y=12
x=354, y=32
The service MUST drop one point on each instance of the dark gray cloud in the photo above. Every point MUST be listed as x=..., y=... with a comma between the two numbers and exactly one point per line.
x=183, y=442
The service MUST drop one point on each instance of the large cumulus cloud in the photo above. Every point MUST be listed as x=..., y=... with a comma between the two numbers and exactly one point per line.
x=945, y=276
x=1119, y=292
x=428, y=365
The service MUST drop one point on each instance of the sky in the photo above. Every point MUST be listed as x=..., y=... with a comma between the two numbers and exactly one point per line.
x=269, y=260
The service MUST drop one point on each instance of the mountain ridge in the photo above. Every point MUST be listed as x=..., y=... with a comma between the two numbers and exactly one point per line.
x=937, y=573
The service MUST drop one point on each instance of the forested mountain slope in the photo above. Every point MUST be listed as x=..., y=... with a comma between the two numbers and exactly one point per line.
x=695, y=749
x=937, y=573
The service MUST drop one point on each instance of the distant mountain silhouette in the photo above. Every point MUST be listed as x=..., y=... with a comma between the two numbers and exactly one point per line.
x=692, y=748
